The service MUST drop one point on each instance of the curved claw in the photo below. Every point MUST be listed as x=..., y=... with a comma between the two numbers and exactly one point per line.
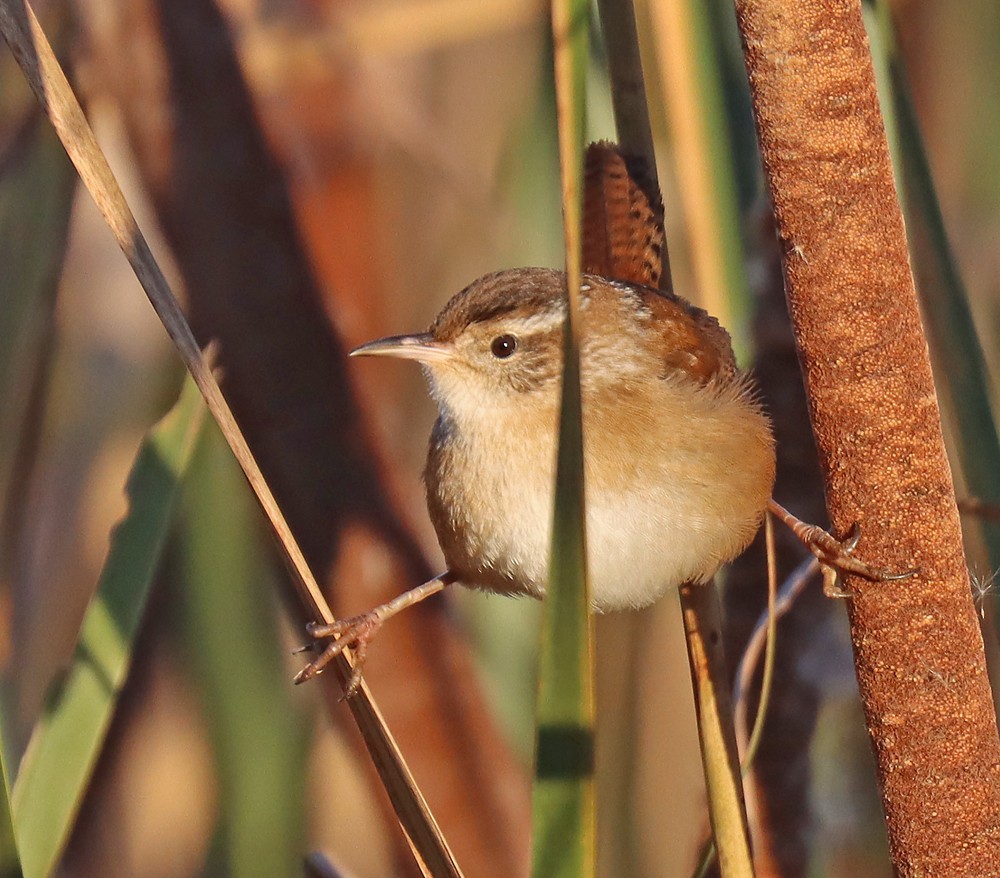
x=357, y=632
x=836, y=557
x=850, y=542
x=354, y=633
x=885, y=576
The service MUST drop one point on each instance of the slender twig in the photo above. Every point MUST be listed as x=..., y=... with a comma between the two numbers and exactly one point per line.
x=763, y=633
x=748, y=743
x=979, y=507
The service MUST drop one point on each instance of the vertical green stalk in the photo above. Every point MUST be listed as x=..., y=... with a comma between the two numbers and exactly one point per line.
x=563, y=809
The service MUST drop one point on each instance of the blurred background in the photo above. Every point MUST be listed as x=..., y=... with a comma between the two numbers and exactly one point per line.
x=313, y=175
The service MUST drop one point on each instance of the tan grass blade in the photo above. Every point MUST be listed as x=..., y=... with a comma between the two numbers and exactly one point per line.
x=703, y=627
x=41, y=68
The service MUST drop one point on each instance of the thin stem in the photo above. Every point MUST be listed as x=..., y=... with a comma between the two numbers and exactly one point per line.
x=766, y=632
x=727, y=811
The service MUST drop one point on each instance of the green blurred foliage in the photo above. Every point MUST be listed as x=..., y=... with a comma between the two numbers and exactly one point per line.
x=229, y=604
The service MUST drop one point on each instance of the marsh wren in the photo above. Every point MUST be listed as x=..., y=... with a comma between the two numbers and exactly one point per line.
x=679, y=456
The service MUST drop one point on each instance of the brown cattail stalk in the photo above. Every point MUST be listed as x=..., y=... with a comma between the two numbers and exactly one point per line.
x=918, y=649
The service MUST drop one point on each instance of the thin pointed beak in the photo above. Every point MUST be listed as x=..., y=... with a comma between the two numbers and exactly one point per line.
x=420, y=347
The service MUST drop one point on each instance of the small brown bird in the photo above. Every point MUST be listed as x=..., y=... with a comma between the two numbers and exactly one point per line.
x=679, y=456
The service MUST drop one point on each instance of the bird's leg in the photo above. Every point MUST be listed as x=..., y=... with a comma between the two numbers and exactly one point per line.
x=357, y=632
x=836, y=557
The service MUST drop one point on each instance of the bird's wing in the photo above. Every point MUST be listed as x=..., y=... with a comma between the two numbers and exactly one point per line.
x=692, y=340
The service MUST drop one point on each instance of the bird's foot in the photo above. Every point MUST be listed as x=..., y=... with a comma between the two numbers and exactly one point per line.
x=355, y=632
x=836, y=557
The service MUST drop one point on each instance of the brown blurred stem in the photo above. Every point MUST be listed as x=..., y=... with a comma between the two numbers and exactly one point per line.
x=244, y=188
x=224, y=206
x=918, y=649
x=44, y=74
x=33, y=271
x=781, y=769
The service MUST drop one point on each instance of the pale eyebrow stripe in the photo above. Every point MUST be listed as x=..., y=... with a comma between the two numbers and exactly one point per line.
x=544, y=321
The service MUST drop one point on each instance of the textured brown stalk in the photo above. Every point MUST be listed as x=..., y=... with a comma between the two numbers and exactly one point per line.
x=223, y=203
x=918, y=649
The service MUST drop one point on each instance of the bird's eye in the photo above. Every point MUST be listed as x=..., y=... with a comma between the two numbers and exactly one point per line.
x=503, y=346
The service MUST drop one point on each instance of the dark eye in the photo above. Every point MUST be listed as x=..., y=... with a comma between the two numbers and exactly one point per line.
x=503, y=346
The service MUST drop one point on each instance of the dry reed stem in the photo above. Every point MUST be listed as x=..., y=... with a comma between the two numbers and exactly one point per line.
x=716, y=734
x=631, y=109
x=674, y=25
x=918, y=648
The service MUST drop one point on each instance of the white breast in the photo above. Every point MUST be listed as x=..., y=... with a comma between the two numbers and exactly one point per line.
x=668, y=499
